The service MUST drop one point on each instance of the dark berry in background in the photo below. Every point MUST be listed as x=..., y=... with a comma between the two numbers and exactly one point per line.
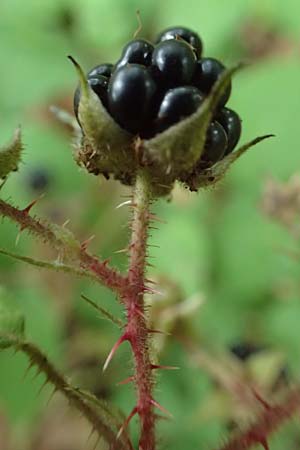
x=231, y=123
x=103, y=70
x=138, y=51
x=131, y=92
x=207, y=72
x=187, y=35
x=38, y=180
x=173, y=63
x=245, y=350
x=177, y=104
x=215, y=145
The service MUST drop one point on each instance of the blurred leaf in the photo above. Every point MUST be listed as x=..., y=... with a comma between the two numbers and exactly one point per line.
x=12, y=324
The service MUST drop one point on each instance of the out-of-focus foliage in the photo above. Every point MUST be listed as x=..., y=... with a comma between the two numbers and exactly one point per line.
x=216, y=243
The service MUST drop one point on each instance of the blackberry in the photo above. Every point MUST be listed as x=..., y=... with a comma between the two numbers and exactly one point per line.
x=131, y=93
x=215, y=145
x=232, y=125
x=177, y=104
x=207, y=72
x=104, y=70
x=173, y=63
x=138, y=51
x=99, y=86
x=187, y=35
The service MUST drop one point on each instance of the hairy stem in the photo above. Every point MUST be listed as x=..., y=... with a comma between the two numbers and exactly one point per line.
x=136, y=329
x=52, y=235
x=89, y=411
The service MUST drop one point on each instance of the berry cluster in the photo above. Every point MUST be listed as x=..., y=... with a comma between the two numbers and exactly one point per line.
x=152, y=87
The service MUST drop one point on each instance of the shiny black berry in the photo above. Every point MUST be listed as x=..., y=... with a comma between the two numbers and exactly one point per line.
x=231, y=123
x=173, y=63
x=99, y=86
x=103, y=70
x=131, y=91
x=177, y=104
x=187, y=35
x=207, y=72
x=138, y=51
x=215, y=145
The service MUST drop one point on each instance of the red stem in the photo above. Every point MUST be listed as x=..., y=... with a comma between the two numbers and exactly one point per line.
x=266, y=424
x=108, y=276
x=136, y=328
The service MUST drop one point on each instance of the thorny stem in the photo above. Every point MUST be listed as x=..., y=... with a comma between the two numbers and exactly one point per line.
x=60, y=384
x=136, y=329
x=266, y=424
x=105, y=274
x=130, y=289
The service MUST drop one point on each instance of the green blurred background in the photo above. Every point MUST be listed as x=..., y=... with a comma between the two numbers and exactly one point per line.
x=217, y=245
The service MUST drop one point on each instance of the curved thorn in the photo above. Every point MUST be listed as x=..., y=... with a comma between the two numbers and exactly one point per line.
x=148, y=280
x=31, y=204
x=113, y=350
x=42, y=387
x=90, y=435
x=156, y=218
x=84, y=245
x=127, y=202
x=159, y=406
x=150, y=330
x=126, y=423
x=158, y=366
x=123, y=250
x=152, y=291
x=126, y=381
x=54, y=390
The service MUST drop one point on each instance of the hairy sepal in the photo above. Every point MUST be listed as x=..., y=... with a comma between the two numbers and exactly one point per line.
x=105, y=147
x=10, y=155
x=212, y=175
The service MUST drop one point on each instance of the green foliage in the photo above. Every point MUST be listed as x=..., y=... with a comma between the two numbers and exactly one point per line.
x=218, y=242
x=12, y=325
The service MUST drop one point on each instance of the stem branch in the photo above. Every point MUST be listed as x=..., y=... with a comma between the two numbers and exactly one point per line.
x=267, y=423
x=106, y=275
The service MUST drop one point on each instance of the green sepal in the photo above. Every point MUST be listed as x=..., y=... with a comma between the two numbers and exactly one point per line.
x=212, y=175
x=104, y=146
x=10, y=155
